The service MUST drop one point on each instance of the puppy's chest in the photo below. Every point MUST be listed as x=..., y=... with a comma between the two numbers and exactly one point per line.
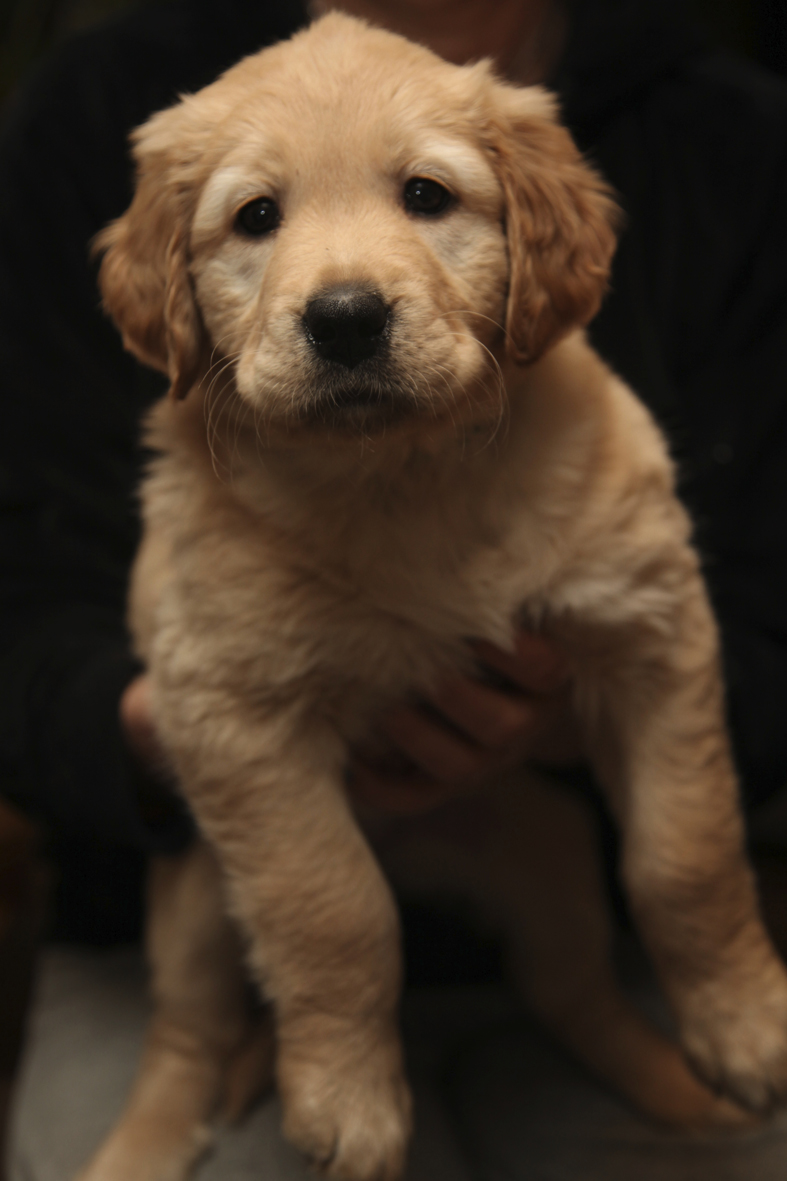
x=443, y=584
x=358, y=600
x=385, y=604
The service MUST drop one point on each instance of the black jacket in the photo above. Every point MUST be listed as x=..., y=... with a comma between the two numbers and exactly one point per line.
x=696, y=145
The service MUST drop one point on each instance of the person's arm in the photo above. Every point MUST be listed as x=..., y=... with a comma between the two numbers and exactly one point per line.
x=697, y=323
x=68, y=463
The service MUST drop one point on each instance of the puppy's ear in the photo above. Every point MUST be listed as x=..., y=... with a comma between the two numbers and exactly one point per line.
x=144, y=276
x=560, y=224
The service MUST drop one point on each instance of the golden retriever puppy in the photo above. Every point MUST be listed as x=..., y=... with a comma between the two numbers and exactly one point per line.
x=366, y=273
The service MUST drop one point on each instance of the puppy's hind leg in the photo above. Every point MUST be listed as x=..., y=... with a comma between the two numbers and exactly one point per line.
x=197, y=1056
x=550, y=886
x=659, y=745
x=526, y=852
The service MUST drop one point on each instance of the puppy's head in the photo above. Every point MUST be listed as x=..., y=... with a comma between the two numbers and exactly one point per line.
x=353, y=233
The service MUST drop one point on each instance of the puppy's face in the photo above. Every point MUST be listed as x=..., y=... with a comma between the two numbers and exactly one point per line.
x=348, y=249
x=349, y=230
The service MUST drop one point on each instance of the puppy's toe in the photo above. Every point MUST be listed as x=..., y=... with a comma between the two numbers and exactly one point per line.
x=352, y=1122
x=669, y=1092
x=736, y=1038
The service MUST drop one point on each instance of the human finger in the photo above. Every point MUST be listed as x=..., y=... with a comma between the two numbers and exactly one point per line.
x=492, y=717
x=397, y=793
x=431, y=745
x=535, y=666
x=138, y=726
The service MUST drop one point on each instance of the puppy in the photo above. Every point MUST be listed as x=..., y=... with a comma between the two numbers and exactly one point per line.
x=366, y=273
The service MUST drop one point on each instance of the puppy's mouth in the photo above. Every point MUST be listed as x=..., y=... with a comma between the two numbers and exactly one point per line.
x=354, y=406
x=364, y=398
x=371, y=397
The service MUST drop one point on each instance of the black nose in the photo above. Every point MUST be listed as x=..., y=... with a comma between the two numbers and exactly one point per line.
x=346, y=325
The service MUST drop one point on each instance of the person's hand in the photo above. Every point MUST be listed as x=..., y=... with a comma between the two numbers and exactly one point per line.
x=157, y=797
x=518, y=708
x=138, y=728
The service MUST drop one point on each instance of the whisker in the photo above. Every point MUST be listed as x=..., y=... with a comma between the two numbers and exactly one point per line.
x=471, y=312
x=217, y=408
x=500, y=398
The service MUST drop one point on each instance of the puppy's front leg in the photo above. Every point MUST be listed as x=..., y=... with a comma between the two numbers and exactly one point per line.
x=659, y=742
x=322, y=924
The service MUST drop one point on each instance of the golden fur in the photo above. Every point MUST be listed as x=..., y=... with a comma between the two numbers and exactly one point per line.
x=319, y=544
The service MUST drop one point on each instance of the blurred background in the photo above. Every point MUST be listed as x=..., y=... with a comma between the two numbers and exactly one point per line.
x=30, y=28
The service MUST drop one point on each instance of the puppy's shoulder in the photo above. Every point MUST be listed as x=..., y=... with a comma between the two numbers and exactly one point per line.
x=587, y=407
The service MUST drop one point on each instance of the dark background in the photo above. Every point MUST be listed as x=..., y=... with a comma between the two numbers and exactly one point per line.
x=28, y=28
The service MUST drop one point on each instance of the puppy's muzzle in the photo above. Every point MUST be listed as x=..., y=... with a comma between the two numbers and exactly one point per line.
x=347, y=325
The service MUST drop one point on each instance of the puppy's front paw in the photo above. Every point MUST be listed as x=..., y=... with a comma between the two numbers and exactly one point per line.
x=735, y=1035
x=350, y=1116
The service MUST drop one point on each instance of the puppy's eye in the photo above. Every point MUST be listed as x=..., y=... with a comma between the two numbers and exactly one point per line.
x=422, y=195
x=259, y=217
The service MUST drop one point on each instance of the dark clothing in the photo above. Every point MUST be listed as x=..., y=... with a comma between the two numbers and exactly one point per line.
x=695, y=142
x=696, y=145
x=72, y=400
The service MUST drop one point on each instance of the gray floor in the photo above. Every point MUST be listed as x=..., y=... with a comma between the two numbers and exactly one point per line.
x=495, y=1100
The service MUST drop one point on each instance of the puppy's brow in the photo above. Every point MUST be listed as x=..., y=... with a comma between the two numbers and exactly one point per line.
x=225, y=191
x=456, y=164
